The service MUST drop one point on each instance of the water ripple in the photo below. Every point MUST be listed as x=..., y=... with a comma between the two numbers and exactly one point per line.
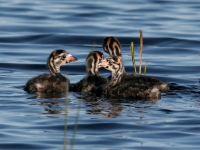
x=31, y=30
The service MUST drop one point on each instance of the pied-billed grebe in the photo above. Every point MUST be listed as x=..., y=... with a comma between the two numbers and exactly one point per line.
x=93, y=80
x=124, y=85
x=55, y=81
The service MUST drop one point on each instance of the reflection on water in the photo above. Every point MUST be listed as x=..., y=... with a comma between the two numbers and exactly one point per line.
x=39, y=95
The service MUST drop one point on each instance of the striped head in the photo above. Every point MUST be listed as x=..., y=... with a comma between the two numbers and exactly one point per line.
x=115, y=65
x=59, y=58
x=111, y=45
x=93, y=62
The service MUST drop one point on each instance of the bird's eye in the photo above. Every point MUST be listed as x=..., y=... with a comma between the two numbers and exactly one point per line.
x=64, y=56
x=110, y=62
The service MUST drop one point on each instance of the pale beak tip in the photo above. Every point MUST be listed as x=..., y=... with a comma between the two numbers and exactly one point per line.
x=71, y=59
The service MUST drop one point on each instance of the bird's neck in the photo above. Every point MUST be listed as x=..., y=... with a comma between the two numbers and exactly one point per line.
x=92, y=71
x=53, y=68
x=117, y=76
x=123, y=69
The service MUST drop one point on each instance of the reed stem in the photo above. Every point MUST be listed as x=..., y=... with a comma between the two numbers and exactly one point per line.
x=145, y=68
x=66, y=116
x=141, y=50
x=133, y=56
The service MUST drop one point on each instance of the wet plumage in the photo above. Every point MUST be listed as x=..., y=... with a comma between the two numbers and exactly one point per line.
x=53, y=82
x=127, y=85
x=124, y=85
x=92, y=80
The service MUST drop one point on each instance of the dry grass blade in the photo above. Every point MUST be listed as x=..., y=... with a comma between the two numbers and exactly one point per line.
x=133, y=56
x=141, y=50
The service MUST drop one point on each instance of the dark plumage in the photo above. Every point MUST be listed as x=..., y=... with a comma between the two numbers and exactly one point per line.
x=124, y=85
x=93, y=80
x=112, y=46
x=54, y=82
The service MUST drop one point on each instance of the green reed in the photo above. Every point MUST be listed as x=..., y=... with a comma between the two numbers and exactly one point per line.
x=133, y=56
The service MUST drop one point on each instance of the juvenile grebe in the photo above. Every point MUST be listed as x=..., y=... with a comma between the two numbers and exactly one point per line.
x=93, y=80
x=129, y=85
x=55, y=81
x=112, y=46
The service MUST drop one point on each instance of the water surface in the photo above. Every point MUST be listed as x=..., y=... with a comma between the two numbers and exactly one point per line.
x=31, y=30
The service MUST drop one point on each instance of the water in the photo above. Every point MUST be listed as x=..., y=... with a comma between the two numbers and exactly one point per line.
x=30, y=30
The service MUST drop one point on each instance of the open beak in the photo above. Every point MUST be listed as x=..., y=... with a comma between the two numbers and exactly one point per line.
x=70, y=58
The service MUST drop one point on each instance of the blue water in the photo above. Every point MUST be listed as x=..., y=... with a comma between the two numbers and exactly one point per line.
x=31, y=30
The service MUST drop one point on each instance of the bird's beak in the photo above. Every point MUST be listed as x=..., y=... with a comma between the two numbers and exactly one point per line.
x=104, y=63
x=70, y=58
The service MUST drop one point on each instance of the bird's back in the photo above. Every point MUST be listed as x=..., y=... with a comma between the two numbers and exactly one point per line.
x=134, y=86
x=89, y=84
x=141, y=80
x=47, y=83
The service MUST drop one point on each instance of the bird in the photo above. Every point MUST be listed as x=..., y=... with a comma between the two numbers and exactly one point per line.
x=123, y=85
x=53, y=82
x=112, y=46
x=92, y=81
